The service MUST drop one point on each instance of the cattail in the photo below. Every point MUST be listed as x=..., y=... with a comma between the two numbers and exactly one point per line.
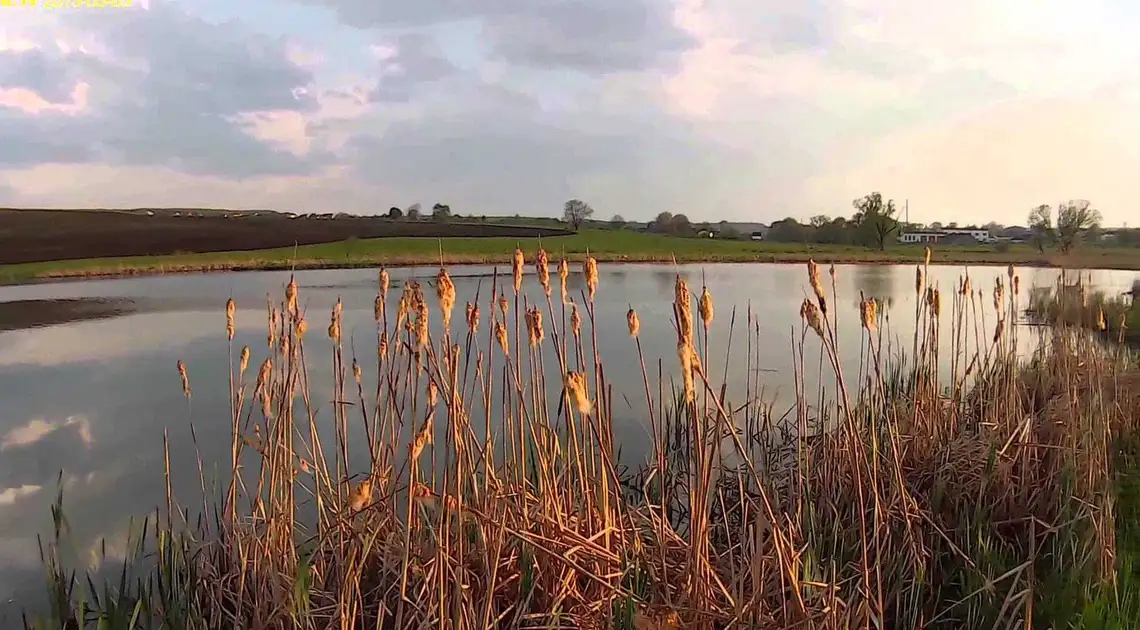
x=517, y=269
x=356, y=374
x=927, y=257
x=378, y=309
x=705, y=307
x=966, y=288
x=867, y=314
x=575, y=321
x=831, y=271
x=590, y=270
x=682, y=304
x=999, y=329
x=423, y=438
x=816, y=285
x=263, y=375
x=504, y=305
x=243, y=361
x=445, y=290
x=230, y=308
x=501, y=335
x=534, y=326
x=1017, y=285
x=810, y=315
x=686, y=353
x=432, y=394
x=291, y=295
x=998, y=293
x=1009, y=271
x=633, y=322
x=382, y=347
x=302, y=326
x=305, y=466
x=936, y=305
x=361, y=495
x=1101, y=324
x=421, y=327
x=274, y=318
x=334, y=327
x=918, y=279
x=384, y=282
x=576, y=388
x=542, y=266
x=185, y=379
x=563, y=273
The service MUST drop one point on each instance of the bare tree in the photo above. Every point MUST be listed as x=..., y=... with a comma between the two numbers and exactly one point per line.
x=576, y=211
x=1041, y=225
x=1074, y=219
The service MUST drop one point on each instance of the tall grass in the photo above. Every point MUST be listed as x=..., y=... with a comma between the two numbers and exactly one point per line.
x=1073, y=302
x=905, y=499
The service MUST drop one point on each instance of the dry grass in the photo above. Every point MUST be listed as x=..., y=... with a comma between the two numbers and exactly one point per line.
x=906, y=501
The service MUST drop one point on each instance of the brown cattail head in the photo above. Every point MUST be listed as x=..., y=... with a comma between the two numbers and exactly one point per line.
x=501, y=336
x=1101, y=323
x=504, y=305
x=811, y=317
x=361, y=496
x=382, y=347
x=966, y=287
x=378, y=309
x=472, y=318
x=1009, y=271
x=590, y=270
x=816, y=285
x=563, y=273
x=542, y=266
x=291, y=296
x=384, y=283
x=517, y=269
x=356, y=374
x=685, y=354
x=1017, y=285
x=633, y=322
x=705, y=307
x=230, y=309
x=576, y=388
x=445, y=290
x=185, y=379
x=868, y=313
x=682, y=306
x=575, y=321
x=274, y=319
x=334, y=325
x=243, y=362
x=421, y=326
x=918, y=280
x=534, y=328
x=999, y=329
x=926, y=258
x=263, y=375
x=937, y=305
x=302, y=326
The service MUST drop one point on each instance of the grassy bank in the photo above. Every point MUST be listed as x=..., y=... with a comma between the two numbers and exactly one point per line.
x=996, y=497
x=603, y=245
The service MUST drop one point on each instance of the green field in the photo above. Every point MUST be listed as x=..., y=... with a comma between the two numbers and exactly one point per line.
x=605, y=245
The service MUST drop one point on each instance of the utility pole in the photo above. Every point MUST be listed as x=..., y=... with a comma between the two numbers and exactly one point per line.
x=906, y=210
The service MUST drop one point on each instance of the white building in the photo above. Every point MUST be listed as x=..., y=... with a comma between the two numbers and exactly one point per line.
x=933, y=236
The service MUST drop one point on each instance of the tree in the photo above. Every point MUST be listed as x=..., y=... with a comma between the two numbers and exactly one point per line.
x=994, y=227
x=1074, y=218
x=395, y=213
x=617, y=222
x=787, y=230
x=576, y=211
x=835, y=232
x=937, y=225
x=680, y=225
x=875, y=219
x=413, y=212
x=820, y=220
x=1041, y=226
x=663, y=222
x=440, y=212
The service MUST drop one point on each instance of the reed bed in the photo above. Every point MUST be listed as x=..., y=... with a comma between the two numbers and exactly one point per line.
x=1073, y=302
x=901, y=500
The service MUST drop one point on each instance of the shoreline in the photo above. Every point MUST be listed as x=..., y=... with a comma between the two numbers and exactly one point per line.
x=88, y=269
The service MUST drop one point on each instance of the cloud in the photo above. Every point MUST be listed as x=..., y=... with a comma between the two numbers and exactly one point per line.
x=37, y=429
x=735, y=109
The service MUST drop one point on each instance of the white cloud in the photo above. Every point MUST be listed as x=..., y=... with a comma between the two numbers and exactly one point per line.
x=726, y=108
x=38, y=428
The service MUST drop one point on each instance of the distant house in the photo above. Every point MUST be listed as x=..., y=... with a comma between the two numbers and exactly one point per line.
x=947, y=236
x=754, y=231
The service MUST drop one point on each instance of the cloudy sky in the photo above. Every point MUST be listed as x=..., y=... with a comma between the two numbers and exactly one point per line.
x=973, y=110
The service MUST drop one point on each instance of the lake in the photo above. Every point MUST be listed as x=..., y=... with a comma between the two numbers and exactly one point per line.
x=88, y=381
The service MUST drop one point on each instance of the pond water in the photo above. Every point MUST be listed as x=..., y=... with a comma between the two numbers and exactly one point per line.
x=88, y=381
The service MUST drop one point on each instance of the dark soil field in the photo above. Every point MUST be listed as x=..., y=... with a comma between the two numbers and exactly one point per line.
x=49, y=235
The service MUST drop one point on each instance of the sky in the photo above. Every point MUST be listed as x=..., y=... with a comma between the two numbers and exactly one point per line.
x=741, y=110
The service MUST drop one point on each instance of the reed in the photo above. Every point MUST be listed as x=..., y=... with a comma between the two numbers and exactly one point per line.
x=906, y=499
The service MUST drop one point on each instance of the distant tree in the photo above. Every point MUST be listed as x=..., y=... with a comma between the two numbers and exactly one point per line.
x=953, y=225
x=680, y=225
x=662, y=223
x=820, y=220
x=994, y=227
x=440, y=212
x=1074, y=219
x=1041, y=227
x=617, y=222
x=576, y=211
x=787, y=230
x=935, y=226
x=875, y=220
x=395, y=213
x=413, y=212
x=835, y=232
